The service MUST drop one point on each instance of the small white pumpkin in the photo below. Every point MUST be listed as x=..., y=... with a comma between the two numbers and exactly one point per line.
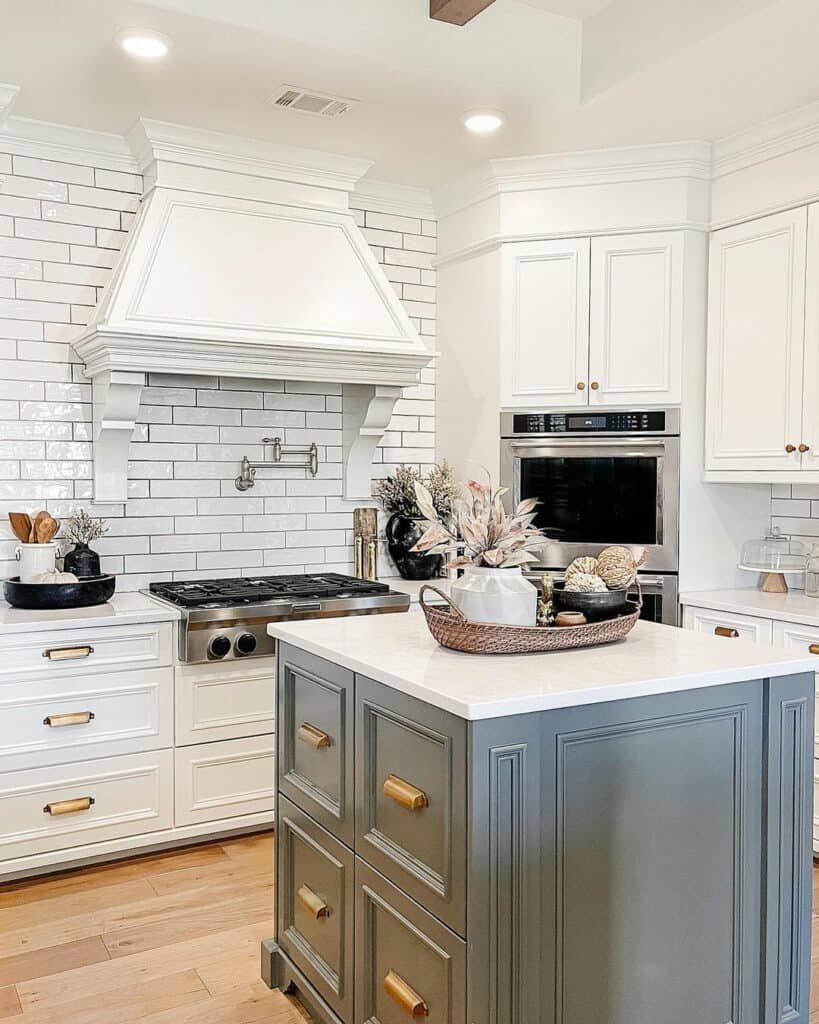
x=586, y=564
x=585, y=583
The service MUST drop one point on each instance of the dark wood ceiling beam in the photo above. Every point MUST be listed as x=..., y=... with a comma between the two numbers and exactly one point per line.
x=457, y=12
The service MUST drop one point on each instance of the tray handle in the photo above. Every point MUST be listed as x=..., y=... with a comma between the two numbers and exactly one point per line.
x=446, y=599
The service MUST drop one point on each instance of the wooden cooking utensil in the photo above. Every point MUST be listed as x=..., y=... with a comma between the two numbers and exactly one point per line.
x=45, y=528
x=21, y=525
x=39, y=519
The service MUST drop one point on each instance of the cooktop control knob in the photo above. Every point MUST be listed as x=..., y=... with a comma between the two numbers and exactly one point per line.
x=245, y=643
x=219, y=647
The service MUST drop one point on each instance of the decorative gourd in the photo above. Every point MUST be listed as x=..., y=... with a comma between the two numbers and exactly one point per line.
x=56, y=577
x=586, y=564
x=618, y=567
x=585, y=583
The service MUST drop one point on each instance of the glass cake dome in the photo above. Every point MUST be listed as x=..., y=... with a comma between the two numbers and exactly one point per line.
x=774, y=555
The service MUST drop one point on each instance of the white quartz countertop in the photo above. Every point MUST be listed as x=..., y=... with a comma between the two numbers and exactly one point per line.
x=120, y=610
x=790, y=607
x=399, y=651
x=413, y=587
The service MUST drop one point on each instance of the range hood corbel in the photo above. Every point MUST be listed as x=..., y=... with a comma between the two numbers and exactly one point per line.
x=244, y=260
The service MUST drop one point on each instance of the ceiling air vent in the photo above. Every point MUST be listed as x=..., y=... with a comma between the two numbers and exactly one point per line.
x=314, y=103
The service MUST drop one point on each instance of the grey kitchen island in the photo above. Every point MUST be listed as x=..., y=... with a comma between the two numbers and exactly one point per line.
x=620, y=835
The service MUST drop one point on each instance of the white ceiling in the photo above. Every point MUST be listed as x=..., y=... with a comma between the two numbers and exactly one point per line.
x=570, y=74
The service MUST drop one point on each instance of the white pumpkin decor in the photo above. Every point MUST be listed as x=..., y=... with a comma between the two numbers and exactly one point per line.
x=618, y=566
x=585, y=583
x=584, y=564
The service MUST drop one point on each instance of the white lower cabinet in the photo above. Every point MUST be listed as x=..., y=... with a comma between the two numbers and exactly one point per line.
x=730, y=625
x=223, y=780
x=225, y=701
x=45, y=809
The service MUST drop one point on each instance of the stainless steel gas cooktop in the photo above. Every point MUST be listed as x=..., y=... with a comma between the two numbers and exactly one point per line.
x=226, y=619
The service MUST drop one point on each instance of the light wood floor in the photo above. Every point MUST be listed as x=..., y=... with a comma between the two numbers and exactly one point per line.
x=165, y=939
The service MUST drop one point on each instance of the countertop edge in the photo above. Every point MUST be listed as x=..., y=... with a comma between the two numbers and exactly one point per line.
x=85, y=618
x=738, y=603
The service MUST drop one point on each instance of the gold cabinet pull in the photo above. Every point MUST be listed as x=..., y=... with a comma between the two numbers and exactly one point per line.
x=804, y=448
x=405, y=793
x=406, y=997
x=312, y=902
x=595, y=385
x=790, y=448
x=313, y=737
x=68, y=653
x=581, y=386
x=80, y=803
x=813, y=649
x=70, y=718
x=726, y=631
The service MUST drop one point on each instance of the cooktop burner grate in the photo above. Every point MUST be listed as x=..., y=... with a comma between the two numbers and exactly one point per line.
x=252, y=590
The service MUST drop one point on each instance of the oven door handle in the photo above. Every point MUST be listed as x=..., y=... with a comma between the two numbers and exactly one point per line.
x=591, y=442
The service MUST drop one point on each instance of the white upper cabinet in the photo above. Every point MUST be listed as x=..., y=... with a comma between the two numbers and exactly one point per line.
x=635, y=353
x=810, y=394
x=756, y=333
x=545, y=323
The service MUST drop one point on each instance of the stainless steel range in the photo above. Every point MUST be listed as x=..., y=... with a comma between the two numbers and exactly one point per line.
x=227, y=619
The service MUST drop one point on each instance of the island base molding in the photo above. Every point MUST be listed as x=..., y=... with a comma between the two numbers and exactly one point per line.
x=561, y=863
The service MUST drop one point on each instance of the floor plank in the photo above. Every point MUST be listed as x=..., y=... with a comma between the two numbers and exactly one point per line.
x=42, y=962
x=9, y=1003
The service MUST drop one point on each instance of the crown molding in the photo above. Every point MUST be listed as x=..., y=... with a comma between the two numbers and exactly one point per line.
x=575, y=169
x=67, y=144
x=158, y=141
x=774, y=138
x=8, y=96
x=387, y=197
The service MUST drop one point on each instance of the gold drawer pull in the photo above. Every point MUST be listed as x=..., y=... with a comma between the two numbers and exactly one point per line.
x=70, y=718
x=405, y=793
x=313, y=737
x=68, y=653
x=80, y=803
x=813, y=649
x=726, y=631
x=406, y=997
x=312, y=903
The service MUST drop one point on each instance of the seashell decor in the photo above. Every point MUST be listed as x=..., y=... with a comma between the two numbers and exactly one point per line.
x=585, y=583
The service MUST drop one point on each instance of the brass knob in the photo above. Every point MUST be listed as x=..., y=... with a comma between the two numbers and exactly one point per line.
x=790, y=448
x=728, y=631
x=813, y=649
x=594, y=385
x=804, y=448
x=581, y=386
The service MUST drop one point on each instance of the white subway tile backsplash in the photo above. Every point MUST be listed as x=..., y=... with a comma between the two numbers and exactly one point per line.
x=184, y=517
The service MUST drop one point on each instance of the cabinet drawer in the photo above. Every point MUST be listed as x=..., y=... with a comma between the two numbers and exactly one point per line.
x=797, y=637
x=224, y=780
x=315, y=726
x=65, y=653
x=225, y=701
x=747, y=627
x=88, y=803
x=52, y=721
x=411, y=797
x=316, y=889
x=407, y=963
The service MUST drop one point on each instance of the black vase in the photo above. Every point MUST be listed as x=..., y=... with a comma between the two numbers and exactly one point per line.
x=82, y=561
x=403, y=533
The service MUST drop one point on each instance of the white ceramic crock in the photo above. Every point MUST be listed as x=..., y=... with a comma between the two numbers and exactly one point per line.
x=36, y=559
x=496, y=595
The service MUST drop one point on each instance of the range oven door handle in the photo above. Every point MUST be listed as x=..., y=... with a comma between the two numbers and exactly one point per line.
x=581, y=444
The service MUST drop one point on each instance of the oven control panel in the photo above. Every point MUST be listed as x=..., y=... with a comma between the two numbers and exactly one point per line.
x=590, y=422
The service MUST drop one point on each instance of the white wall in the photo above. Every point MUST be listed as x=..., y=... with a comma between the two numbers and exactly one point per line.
x=61, y=225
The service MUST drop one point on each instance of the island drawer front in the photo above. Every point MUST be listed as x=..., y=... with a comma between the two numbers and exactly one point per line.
x=315, y=727
x=404, y=958
x=53, y=721
x=411, y=797
x=315, y=907
x=225, y=780
x=731, y=625
x=225, y=700
x=816, y=805
x=64, y=653
x=71, y=805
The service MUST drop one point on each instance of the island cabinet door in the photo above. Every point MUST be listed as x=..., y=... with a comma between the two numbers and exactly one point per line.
x=615, y=862
x=315, y=738
x=411, y=797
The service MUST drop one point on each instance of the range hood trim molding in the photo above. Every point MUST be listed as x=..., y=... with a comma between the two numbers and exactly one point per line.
x=152, y=320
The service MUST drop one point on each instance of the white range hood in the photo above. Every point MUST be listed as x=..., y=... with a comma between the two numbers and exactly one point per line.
x=244, y=260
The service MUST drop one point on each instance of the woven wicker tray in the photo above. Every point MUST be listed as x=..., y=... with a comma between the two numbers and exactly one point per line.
x=452, y=629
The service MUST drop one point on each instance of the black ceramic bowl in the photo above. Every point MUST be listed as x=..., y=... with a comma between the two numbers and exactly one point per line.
x=47, y=596
x=596, y=607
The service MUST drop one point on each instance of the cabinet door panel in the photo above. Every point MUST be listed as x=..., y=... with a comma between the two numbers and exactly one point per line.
x=756, y=309
x=545, y=323
x=810, y=405
x=636, y=319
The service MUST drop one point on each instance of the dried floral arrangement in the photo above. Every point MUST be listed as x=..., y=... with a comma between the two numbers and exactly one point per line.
x=82, y=529
x=396, y=493
x=615, y=568
x=480, y=525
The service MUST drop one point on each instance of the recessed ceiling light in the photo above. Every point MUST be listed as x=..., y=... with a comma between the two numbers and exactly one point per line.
x=144, y=45
x=483, y=122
